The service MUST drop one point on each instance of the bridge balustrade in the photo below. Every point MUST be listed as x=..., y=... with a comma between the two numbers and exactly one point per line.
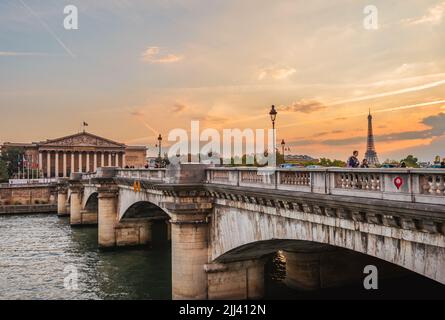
x=142, y=174
x=408, y=185
x=433, y=184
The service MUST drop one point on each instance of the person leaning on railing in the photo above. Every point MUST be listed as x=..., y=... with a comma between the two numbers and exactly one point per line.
x=353, y=160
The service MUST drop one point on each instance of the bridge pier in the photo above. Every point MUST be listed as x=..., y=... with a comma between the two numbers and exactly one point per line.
x=189, y=235
x=75, y=206
x=62, y=196
x=88, y=217
x=107, y=215
x=242, y=280
x=133, y=233
x=169, y=230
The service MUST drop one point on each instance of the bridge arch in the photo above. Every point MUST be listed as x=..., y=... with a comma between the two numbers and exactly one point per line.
x=88, y=192
x=144, y=210
x=92, y=202
x=240, y=233
x=128, y=198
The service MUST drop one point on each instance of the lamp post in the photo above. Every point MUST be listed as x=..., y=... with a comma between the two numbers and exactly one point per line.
x=273, y=117
x=160, y=149
x=283, y=144
x=160, y=145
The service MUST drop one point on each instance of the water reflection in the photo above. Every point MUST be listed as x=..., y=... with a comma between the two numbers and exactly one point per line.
x=37, y=249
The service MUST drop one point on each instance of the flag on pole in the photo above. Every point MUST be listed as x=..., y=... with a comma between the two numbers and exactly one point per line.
x=84, y=124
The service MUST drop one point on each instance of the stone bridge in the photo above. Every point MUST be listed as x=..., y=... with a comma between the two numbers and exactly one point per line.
x=223, y=222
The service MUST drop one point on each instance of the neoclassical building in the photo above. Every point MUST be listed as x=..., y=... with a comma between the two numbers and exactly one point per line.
x=81, y=152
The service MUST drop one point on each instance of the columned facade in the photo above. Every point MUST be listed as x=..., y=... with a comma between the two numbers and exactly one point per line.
x=82, y=152
x=60, y=164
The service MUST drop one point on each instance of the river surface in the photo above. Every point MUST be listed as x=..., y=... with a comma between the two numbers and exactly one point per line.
x=41, y=256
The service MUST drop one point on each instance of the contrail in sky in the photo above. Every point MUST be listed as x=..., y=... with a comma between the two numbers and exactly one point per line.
x=45, y=25
x=390, y=93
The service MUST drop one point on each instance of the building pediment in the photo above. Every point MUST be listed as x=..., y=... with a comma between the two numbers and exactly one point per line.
x=83, y=139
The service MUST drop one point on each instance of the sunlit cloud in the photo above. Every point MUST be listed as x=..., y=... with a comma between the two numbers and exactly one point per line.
x=304, y=106
x=154, y=55
x=178, y=108
x=361, y=114
x=434, y=16
x=275, y=73
x=435, y=123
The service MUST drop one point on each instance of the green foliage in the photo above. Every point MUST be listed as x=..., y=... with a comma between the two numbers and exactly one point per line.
x=324, y=162
x=331, y=163
x=10, y=157
x=411, y=161
x=4, y=176
x=389, y=161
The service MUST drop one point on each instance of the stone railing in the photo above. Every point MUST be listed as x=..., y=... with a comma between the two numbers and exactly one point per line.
x=142, y=174
x=409, y=185
x=432, y=184
x=88, y=176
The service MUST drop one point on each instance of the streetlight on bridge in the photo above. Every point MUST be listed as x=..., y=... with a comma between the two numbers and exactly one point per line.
x=273, y=116
x=283, y=145
x=160, y=151
x=160, y=145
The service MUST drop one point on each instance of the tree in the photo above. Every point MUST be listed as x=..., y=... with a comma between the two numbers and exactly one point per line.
x=331, y=163
x=4, y=176
x=11, y=157
x=411, y=161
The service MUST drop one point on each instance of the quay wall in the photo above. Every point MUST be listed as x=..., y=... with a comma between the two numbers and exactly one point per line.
x=19, y=195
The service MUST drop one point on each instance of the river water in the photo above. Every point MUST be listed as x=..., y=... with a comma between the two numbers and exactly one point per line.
x=38, y=253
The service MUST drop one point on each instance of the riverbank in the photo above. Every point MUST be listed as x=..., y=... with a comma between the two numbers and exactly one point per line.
x=21, y=195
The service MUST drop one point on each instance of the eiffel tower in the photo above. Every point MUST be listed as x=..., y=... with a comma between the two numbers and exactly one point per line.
x=371, y=154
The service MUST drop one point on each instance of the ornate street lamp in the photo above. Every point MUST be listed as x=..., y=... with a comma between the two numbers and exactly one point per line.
x=273, y=116
x=159, y=145
x=283, y=144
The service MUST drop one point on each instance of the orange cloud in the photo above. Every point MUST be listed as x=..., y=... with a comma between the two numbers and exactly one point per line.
x=433, y=16
x=276, y=73
x=304, y=106
x=153, y=55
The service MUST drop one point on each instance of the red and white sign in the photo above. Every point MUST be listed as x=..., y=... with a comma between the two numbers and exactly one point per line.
x=398, y=182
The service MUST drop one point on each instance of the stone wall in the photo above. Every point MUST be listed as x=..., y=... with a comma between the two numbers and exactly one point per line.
x=26, y=195
x=135, y=157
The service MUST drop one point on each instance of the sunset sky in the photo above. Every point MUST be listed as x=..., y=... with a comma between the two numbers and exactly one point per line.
x=139, y=67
